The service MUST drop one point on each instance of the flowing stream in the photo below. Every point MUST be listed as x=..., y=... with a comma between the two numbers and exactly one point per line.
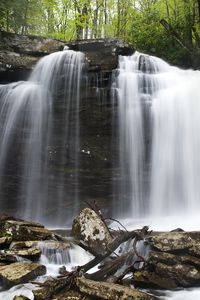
x=76, y=256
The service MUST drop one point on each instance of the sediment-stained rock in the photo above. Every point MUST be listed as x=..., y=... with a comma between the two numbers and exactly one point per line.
x=147, y=279
x=102, y=54
x=168, y=271
x=89, y=228
x=71, y=295
x=184, y=275
x=23, y=51
x=5, y=241
x=175, y=242
x=171, y=259
x=21, y=297
x=12, y=255
x=109, y=291
x=25, y=231
x=20, y=272
x=48, y=244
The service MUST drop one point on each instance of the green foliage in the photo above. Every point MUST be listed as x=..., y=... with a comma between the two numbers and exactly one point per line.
x=147, y=34
x=135, y=21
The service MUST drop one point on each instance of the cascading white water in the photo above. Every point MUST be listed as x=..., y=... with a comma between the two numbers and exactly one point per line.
x=131, y=144
x=53, y=259
x=159, y=113
x=28, y=125
x=176, y=142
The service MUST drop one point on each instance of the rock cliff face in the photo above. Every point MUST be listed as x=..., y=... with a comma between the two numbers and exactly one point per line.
x=19, y=53
x=102, y=54
x=18, y=56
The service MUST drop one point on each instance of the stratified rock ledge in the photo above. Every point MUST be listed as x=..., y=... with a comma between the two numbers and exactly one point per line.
x=18, y=272
x=20, y=53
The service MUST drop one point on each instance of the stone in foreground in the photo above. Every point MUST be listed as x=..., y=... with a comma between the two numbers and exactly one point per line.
x=5, y=241
x=12, y=254
x=89, y=228
x=169, y=271
x=145, y=279
x=21, y=297
x=70, y=295
x=18, y=273
x=25, y=231
x=109, y=291
x=176, y=242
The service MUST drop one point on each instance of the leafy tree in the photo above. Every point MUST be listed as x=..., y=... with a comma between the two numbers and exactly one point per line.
x=167, y=28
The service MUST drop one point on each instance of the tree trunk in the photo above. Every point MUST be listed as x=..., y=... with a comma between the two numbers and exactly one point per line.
x=195, y=57
x=198, y=4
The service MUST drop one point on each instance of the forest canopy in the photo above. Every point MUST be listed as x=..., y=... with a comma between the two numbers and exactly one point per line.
x=166, y=28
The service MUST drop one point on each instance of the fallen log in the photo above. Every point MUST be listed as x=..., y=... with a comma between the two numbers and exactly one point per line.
x=116, y=268
x=123, y=237
x=93, y=235
x=110, y=268
x=49, y=288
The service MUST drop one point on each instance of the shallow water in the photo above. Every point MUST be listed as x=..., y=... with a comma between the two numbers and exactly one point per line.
x=76, y=257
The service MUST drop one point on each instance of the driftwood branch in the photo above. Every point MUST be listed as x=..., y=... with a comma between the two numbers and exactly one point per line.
x=172, y=32
x=121, y=238
x=114, y=220
x=51, y=286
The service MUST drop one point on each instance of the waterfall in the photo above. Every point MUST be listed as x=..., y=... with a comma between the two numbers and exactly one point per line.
x=157, y=167
x=175, y=174
x=159, y=137
x=31, y=138
x=131, y=140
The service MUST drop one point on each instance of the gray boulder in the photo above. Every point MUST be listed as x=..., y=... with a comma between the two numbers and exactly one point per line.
x=89, y=228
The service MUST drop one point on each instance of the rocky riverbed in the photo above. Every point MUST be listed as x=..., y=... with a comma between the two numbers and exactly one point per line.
x=95, y=262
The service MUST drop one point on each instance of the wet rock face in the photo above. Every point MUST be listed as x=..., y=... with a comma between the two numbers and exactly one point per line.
x=20, y=53
x=27, y=44
x=102, y=54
